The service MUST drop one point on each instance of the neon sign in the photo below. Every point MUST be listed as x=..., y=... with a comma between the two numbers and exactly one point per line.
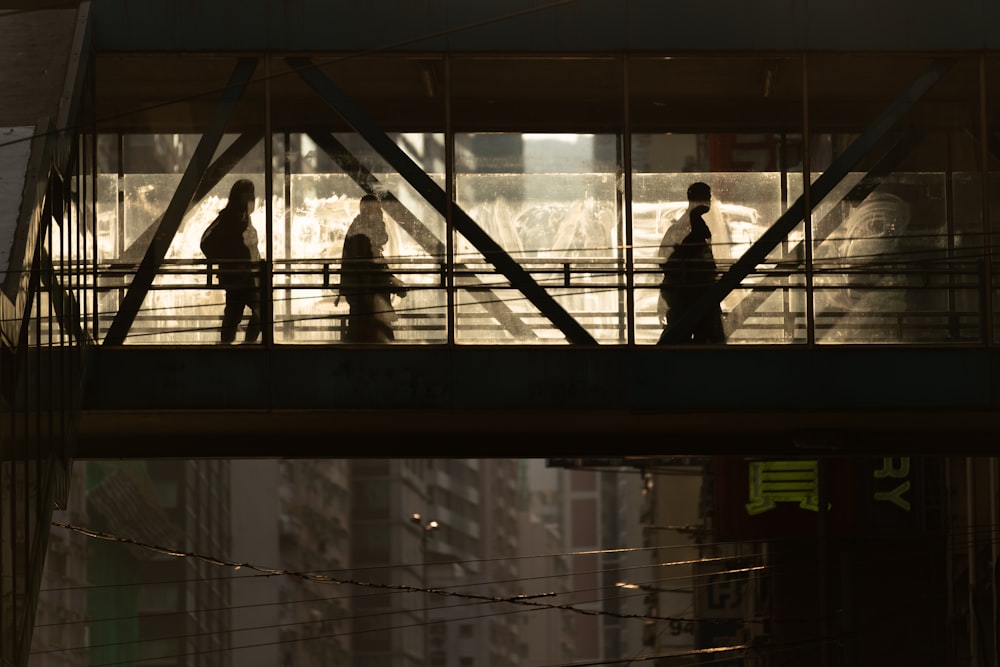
x=773, y=482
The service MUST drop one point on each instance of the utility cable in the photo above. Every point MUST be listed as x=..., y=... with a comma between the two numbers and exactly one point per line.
x=323, y=579
x=396, y=612
x=480, y=616
x=320, y=577
x=519, y=599
x=642, y=586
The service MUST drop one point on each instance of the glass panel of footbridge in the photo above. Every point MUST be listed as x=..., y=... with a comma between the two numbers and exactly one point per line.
x=169, y=153
x=345, y=130
x=550, y=203
x=898, y=245
x=734, y=124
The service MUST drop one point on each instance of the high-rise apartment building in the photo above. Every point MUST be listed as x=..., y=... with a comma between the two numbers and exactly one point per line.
x=147, y=600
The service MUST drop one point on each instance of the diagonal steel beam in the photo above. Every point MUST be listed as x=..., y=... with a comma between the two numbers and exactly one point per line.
x=436, y=197
x=66, y=307
x=368, y=182
x=215, y=173
x=785, y=223
x=35, y=272
x=179, y=203
x=413, y=226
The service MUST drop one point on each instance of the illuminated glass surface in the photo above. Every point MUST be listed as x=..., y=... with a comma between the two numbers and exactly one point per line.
x=891, y=255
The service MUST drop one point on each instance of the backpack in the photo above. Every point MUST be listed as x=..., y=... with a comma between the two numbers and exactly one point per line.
x=674, y=280
x=212, y=244
x=688, y=270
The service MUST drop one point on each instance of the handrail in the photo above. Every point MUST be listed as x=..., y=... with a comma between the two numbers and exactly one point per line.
x=943, y=302
x=542, y=266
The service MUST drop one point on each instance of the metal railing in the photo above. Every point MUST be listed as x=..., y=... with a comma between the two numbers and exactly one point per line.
x=938, y=302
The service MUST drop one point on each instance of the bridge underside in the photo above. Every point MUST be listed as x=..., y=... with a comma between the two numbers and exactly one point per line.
x=334, y=401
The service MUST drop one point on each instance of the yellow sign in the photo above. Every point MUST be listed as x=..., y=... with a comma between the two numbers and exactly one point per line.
x=773, y=482
x=893, y=468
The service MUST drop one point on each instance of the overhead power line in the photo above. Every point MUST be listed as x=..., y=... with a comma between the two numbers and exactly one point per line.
x=527, y=599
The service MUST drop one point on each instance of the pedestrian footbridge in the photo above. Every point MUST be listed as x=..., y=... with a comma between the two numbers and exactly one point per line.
x=528, y=186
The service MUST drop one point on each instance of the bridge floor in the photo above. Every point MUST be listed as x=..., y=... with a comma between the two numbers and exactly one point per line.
x=338, y=401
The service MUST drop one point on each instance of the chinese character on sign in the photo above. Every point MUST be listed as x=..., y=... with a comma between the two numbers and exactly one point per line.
x=773, y=482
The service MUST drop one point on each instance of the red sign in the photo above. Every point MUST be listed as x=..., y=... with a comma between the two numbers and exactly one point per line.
x=770, y=499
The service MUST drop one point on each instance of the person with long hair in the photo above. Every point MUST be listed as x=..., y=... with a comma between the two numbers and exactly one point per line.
x=231, y=240
x=366, y=282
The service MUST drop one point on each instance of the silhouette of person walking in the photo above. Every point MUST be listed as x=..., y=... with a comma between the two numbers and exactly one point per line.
x=231, y=240
x=366, y=281
x=688, y=270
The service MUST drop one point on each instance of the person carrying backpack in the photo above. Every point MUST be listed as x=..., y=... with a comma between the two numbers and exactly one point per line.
x=231, y=240
x=689, y=269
